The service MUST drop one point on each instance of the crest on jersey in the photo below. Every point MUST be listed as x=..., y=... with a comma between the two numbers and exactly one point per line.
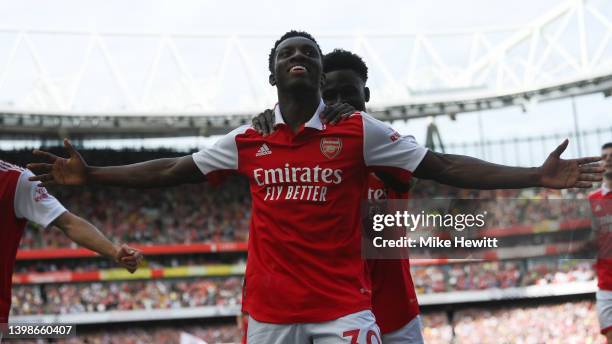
x=331, y=147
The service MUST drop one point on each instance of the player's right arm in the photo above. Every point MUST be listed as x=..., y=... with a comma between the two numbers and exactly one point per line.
x=33, y=203
x=154, y=173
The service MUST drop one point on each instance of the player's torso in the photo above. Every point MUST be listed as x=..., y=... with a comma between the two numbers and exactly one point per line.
x=306, y=193
x=321, y=172
x=601, y=206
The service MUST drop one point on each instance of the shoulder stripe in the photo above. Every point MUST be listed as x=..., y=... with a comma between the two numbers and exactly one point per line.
x=5, y=166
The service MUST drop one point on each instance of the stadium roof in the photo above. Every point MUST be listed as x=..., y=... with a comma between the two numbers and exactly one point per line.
x=94, y=81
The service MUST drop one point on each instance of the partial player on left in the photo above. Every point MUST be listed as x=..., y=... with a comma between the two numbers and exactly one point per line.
x=21, y=201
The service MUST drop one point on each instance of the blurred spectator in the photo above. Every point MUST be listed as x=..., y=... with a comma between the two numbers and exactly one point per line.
x=132, y=295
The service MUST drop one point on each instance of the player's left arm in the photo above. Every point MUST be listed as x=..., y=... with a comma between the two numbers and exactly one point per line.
x=468, y=172
x=387, y=150
x=396, y=184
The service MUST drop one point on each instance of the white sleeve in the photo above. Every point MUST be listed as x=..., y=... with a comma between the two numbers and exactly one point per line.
x=34, y=203
x=222, y=155
x=384, y=147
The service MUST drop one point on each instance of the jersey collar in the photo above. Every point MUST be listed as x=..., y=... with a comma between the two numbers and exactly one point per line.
x=314, y=122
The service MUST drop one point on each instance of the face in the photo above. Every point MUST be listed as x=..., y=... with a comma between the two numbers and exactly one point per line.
x=297, y=64
x=345, y=86
x=606, y=162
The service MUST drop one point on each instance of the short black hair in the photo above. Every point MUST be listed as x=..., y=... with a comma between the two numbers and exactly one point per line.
x=340, y=59
x=287, y=35
x=606, y=145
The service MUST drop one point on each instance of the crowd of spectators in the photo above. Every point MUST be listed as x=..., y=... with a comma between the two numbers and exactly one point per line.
x=181, y=215
x=169, y=293
x=199, y=213
x=132, y=295
x=561, y=323
x=569, y=322
x=168, y=335
x=500, y=274
x=205, y=213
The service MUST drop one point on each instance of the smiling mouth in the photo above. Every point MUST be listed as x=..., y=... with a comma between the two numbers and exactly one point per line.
x=298, y=70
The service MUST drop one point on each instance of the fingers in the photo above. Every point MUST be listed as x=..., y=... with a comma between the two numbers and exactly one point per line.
x=129, y=258
x=590, y=177
x=73, y=152
x=269, y=120
x=257, y=125
x=41, y=178
x=588, y=160
x=51, y=157
x=47, y=184
x=39, y=168
x=343, y=112
x=332, y=114
x=264, y=122
x=560, y=149
x=583, y=185
x=45, y=178
x=591, y=168
x=326, y=113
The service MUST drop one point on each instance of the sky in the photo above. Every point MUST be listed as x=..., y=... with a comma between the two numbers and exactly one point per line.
x=321, y=18
x=268, y=16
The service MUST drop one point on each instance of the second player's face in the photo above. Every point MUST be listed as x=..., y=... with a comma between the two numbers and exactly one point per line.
x=298, y=64
x=606, y=161
x=344, y=86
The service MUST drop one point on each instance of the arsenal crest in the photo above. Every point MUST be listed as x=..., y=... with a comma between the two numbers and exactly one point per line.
x=331, y=147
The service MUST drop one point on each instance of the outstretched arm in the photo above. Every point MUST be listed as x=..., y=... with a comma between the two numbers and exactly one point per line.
x=467, y=172
x=75, y=171
x=87, y=235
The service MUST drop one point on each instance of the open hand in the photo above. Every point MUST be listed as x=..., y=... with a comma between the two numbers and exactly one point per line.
x=71, y=171
x=557, y=173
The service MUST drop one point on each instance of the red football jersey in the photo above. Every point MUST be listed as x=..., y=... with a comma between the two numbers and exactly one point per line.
x=20, y=201
x=394, y=301
x=304, y=263
x=12, y=230
x=601, y=205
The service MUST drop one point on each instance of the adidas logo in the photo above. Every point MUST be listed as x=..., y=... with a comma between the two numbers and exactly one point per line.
x=264, y=150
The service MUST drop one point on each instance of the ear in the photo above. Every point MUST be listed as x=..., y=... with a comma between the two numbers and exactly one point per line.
x=323, y=79
x=366, y=93
x=272, y=80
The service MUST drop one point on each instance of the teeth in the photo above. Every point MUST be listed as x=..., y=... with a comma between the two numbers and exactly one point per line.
x=298, y=68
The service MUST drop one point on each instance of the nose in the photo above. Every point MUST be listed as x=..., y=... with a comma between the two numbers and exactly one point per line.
x=298, y=55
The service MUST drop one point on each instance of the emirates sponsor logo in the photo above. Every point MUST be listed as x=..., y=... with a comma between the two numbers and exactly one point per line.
x=331, y=147
x=292, y=174
x=263, y=150
x=296, y=183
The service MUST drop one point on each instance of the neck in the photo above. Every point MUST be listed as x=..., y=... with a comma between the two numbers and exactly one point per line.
x=608, y=183
x=298, y=107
